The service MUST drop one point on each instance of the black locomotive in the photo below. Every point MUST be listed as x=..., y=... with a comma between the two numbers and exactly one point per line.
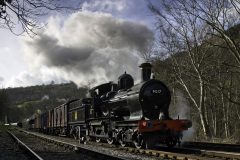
x=124, y=113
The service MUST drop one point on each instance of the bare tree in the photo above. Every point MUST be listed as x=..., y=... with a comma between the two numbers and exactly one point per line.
x=192, y=33
x=147, y=56
x=27, y=13
x=220, y=15
x=183, y=38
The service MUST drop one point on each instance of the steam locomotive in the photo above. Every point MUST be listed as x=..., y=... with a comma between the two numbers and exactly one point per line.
x=124, y=113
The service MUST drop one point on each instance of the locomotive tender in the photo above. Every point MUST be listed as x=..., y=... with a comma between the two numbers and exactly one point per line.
x=124, y=112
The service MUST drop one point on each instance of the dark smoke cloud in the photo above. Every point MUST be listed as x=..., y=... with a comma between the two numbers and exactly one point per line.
x=57, y=55
x=89, y=47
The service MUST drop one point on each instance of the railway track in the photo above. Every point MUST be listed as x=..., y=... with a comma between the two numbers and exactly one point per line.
x=94, y=148
x=158, y=153
x=203, y=153
x=213, y=146
x=24, y=147
x=185, y=153
x=42, y=148
x=8, y=149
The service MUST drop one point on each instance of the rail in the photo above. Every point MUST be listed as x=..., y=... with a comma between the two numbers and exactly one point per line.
x=25, y=147
x=75, y=147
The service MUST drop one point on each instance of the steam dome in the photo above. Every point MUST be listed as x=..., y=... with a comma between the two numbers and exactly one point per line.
x=125, y=81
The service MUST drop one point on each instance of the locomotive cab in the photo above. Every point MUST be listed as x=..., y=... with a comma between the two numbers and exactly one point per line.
x=103, y=89
x=100, y=94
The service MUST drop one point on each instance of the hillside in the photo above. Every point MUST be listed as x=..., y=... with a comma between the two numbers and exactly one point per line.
x=24, y=101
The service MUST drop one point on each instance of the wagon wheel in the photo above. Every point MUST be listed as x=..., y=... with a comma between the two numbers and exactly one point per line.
x=75, y=134
x=122, y=143
x=110, y=140
x=98, y=139
x=121, y=140
x=98, y=132
x=171, y=143
x=83, y=139
x=139, y=142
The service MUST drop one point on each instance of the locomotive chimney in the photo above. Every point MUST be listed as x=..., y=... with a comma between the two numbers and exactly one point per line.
x=146, y=71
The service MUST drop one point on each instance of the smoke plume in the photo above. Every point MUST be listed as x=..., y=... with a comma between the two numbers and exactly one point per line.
x=182, y=105
x=45, y=97
x=183, y=112
x=89, y=47
x=62, y=100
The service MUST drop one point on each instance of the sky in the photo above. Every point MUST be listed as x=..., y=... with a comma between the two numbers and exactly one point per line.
x=89, y=47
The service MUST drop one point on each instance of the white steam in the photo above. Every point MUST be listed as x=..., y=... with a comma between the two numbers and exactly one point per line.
x=45, y=97
x=89, y=48
x=62, y=100
x=189, y=134
x=181, y=105
x=183, y=112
